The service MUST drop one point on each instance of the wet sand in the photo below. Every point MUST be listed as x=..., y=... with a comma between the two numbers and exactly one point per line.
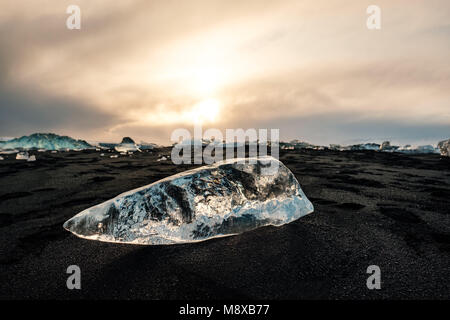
x=385, y=209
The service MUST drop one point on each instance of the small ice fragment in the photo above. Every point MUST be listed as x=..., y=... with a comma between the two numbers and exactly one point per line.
x=444, y=147
x=22, y=156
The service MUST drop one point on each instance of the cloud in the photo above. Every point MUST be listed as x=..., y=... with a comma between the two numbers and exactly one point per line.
x=25, y=111
x=391, y=89
x=134, y=62
x=351, y=128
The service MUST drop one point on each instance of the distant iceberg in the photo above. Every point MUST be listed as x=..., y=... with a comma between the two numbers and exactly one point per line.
x=418, y=149
x=147, y=145
x=366, y=146
x=225, y=198
x=444, y=147
x=194, y=142
x=296, y=144
x=387, y=147
x=127, y=145
x=47, y=141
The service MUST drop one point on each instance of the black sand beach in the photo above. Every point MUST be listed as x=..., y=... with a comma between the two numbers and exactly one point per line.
x=385, y=209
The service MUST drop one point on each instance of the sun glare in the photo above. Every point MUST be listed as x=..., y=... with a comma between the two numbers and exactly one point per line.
x=205, y=111
x=206, y=81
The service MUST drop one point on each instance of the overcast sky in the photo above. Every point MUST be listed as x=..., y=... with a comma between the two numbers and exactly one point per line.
x=143, y=68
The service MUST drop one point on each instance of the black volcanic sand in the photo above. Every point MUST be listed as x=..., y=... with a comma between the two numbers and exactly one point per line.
x=385, y=209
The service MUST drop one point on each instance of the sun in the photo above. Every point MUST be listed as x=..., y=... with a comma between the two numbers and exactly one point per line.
x=205, y=81
x=205, y=111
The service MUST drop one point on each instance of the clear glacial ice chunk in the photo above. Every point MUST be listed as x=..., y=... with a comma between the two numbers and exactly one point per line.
x=225, y=198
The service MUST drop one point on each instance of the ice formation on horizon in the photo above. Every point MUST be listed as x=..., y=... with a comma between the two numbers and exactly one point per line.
x=147, y=145
x=47, y=141
x=225, y=198
x=418, y=149
x=444, y=147
x=126, y=145
x=387, y=147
